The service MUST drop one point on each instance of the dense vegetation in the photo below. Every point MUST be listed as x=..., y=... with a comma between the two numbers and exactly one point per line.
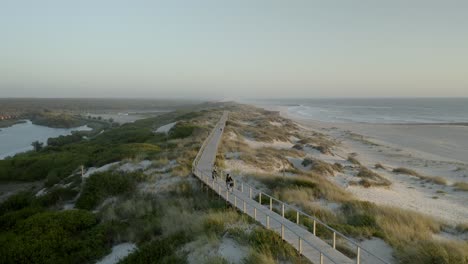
x=66, y=154
x=36, y=228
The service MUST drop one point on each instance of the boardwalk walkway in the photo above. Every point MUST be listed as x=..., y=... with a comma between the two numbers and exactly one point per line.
x=272, y=215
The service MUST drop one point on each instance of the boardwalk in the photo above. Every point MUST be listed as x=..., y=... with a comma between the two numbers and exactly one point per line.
x=271, y=215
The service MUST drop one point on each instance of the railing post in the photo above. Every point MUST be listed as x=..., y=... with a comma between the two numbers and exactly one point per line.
x=297, y=217
x=244, y=208
x=255, y=213
x=271, y=204
x=314, y=228
x=321, y=258
x=282, y=231
x=282, y=210
x=358, y=255
x=268, y=222
x=260, y=198
x=300, y=246
x=250, y=192
x=235, y=201
x=334, y=240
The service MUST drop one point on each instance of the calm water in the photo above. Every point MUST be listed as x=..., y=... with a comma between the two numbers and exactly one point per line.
x=402, y=110
x=18, y=138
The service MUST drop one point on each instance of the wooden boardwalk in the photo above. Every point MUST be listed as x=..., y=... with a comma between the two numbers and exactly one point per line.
x=244, y=198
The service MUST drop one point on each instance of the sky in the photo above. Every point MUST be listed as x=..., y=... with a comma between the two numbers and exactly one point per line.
x=233, y=49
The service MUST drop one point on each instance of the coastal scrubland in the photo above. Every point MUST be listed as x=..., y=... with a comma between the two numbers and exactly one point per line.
x=136, y=187
x=299, y=166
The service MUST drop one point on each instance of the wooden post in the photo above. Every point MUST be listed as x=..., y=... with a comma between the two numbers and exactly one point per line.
x=244, y=208
x=255, y=213
x=358, y=255
x=250, y=192
x=282, y=210
x=314, y=228
x=235, y=201
x=297, y=217
x=260, y=198
x=321, y=258
x=334, y=240
x=300, y=246
x=268, y=222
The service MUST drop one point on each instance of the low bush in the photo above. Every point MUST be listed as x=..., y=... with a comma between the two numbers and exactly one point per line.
x=406, y=171
x=461, y=186
x=56, y=237
x=101, y=185
x=162, y=251
x=353, y=160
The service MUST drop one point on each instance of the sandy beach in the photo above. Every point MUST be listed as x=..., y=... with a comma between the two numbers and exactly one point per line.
x=435, y=150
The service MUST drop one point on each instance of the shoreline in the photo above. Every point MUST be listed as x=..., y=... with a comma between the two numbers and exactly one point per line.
x=418, y=147
x=446, y=142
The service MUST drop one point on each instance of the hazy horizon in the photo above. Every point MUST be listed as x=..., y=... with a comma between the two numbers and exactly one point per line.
x=239, y=50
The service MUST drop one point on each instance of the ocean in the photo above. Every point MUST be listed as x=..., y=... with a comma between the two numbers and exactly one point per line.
x=378, y=110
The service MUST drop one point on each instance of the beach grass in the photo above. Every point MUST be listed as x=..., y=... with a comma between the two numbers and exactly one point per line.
x=433, y=179
x=353, y=160
x=370, y=178
x=461, y=186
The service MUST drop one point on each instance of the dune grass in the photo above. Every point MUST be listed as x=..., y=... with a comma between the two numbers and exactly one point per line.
x=379, y=166
x=461, y=186
x=433, y=179
x=353, y=160
x=370, y=178
x=409, y=233
x=319, y=167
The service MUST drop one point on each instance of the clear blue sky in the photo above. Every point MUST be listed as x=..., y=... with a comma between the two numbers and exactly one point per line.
x=233, y=48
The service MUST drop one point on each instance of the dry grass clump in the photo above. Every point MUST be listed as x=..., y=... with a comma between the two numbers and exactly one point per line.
x=463, y=227
x=379, y=166
x=406, y=171
x=427, y=251
x=400, y=226
x=338, y=167
x=319, y=166
x=257, y=124
x=303, y=186
x=461, y=186
x=370, y=178
x=433, y=179
x=353, y=160
x=319, y=142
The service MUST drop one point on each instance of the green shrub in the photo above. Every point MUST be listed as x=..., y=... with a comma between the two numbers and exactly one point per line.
x=16, y=202
x=101, y=185
x=56, y=237
x=181, y=130
x=162, y=251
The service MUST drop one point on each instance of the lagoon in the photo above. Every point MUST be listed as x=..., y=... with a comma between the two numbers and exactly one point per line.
x=18, y=138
